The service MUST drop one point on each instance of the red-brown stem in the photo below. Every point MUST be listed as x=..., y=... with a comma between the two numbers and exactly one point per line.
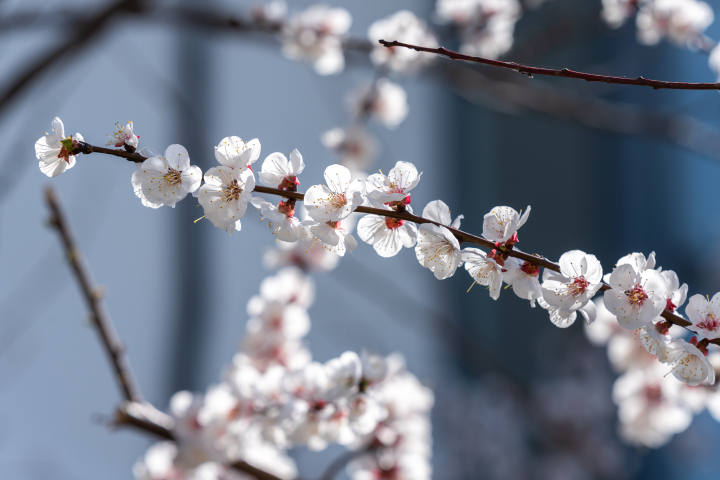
x=459, y=234
x=556, y=72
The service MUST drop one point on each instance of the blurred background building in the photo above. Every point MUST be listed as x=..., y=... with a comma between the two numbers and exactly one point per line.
x=515, y=396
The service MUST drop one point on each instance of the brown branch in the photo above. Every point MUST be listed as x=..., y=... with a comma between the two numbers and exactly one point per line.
x=93, y=297
x=556, y=72
x=463, y=237
x=128, y=415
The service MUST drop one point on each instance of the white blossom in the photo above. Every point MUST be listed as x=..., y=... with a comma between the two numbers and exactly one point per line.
x=394, y=188
x=523, y=277
x=689, y=364
x=280, y=173
x=705, y=315
x=225, y=194
x=124, y=136
x=676, y=293
x=484, y=270
x=502, y=223
x=338, y=199
x=55, y=151
x=387, y=235
x=332, y=235
x=282, y=220
x=166, y=180
x=438, y=249
x=385, y=101
x=680, y=20
x=635, y=298
x=344, y=374
x=405, y=27
x=579, y=279
x=616, y=12
x=315, y=35
x=439, y=212
x=234, y=153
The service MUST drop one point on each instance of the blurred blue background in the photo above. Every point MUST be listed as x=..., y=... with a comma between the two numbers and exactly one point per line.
x=515, y=396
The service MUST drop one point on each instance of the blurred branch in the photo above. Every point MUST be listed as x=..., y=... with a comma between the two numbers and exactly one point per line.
x=591, y=111
x=463, y=237
x=93, y=296
x=83, y=32
x=556, y=72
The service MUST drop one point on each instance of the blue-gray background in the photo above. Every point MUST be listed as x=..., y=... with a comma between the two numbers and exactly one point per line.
x=603, y=193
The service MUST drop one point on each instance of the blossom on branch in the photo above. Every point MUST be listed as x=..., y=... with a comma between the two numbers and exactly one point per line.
x=439, y=212
x=502, y=223
x=688, y=362
x=579, y=280
x=124, y=136
x=315, y=35
x=338, y=199
x=523, y=277
x=282, y=220
x=280, y=173
x=705, y=315
x=166, y=180
x=387, y=235
x=637, y=296
x=55, y=152
x=225, y=194
x=234, y=153
x=393, y=189
x=484, y=270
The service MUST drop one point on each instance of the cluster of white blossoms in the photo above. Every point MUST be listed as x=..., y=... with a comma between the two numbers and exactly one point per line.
x=683, y=22
x=274, y=397
x=486, y=27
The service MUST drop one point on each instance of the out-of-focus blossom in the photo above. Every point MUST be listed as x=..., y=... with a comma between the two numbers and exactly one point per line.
x=405, y=27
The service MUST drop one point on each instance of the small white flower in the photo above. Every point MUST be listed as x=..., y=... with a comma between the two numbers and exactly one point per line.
x=331, y=235
x=680, y=20
x=563, y=318
x=579, y=279
x=405, y=27
x=502, y=223
x=234, y=153
x=124, y=136
x=225, y=194
x=166, y=180
x=676, y=293
x=315, y=35
x=635, y=298
x=278, y=172
x=338, y=199
x=343, y=374
x=387, y=235
x=384, y=101
x=689, y=364
x=439, y=212
x=374, y=367
x=357, y=148
x=282, y=220
x=523, y=276
x=394, y=188
x=484, y=270
x=705, y=315
x=438, y=249
x=652, y=340
x=55, y=151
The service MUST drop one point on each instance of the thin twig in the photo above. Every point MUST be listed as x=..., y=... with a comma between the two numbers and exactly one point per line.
x=93, y=296
x=556, y=72
x=463, y=237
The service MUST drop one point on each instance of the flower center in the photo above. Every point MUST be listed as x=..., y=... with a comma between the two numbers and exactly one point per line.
x=530, y=269
x=636, y=296
x=334, y=225
x=578, y=286
x=338, y=200
x=231, y=192
x=670, y=305
x=710, y=323
x=172, y=177
x=653, y=393
x=393, y=223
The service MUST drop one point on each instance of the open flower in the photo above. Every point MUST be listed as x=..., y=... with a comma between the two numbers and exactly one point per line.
x=676, y=293
x=394, y=188
x=332, y=236
x=438, y=249
x=637, y=260
x=635, y=298
x=484, y=270
x=705, y=315
x=55, y=152
x=689, y=364
x=523, y=277
x=501, y=224
x=282, y=220
x=383, y=100
x=124, y=136
x=166, y=180
x=234, y=153
x=278, y=172
x=225, y=194
x=387, y=235
x=338, y=199
x=579, y=279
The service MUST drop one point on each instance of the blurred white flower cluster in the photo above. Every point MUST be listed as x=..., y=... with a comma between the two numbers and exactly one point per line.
x=274, y=397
